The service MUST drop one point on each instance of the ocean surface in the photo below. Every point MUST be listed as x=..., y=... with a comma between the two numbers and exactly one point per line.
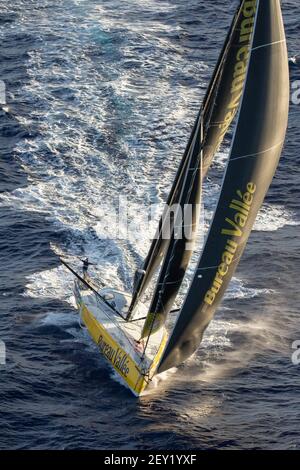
x=101, y=97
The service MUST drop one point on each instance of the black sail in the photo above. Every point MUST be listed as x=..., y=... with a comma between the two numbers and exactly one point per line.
x=219, y=108
x=222, y=104
x=256, y=149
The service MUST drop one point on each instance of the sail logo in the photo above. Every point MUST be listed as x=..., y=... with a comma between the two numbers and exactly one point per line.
x=242, y=206
x=116, y=356
x=240, y=68
x=227, y=258
x=234, y=228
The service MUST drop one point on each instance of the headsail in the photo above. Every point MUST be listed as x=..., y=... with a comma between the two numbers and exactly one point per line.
x=256, y=149
x=218, y=110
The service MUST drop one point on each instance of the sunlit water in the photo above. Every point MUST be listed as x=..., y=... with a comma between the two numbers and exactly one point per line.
x=101, y=97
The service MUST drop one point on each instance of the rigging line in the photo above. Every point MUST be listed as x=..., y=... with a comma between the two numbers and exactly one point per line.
x=268, y=44
x=186, y=225
x=136, y=319
x=214, y=267
x=114, y=321
x=177, y=225
x=109, y=317
x=194, y=168
x=117, y=325
x=258, y=153
x=167, y=283
x=217, y=123
x=90, y=287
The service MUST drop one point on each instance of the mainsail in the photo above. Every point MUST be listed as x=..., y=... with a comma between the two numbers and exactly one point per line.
x=216, y=114
x=255, y=152
x=222, y=103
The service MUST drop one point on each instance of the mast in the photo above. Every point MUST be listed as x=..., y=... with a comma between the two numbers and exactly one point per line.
x=254, y=156
x=181, y=243
x=159, y=244
x=217, y=118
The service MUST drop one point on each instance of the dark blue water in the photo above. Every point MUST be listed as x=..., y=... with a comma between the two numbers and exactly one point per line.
x=101, y=96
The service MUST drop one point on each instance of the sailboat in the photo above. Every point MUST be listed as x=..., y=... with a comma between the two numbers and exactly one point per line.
x=250, y=89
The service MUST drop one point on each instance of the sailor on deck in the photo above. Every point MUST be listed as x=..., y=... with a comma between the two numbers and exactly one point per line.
x=85, y=267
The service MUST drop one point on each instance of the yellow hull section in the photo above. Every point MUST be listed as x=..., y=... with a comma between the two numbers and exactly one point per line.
x=129, y=370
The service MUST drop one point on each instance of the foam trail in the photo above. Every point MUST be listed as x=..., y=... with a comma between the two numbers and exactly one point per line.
x=109, y=126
